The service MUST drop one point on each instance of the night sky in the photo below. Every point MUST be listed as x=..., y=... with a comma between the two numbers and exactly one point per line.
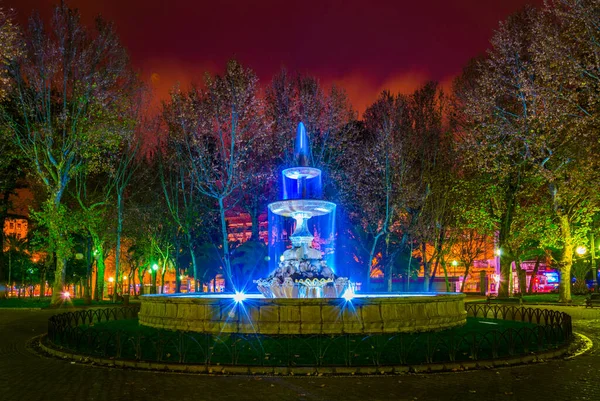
x=365, y=46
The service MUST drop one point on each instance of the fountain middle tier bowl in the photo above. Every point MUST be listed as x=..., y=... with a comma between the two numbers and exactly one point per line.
x=254, y=314
x=306, y=207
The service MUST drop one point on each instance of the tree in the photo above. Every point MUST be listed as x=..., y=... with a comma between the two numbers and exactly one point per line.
x=219, y=126
x=68, y=84
x=370, y=174
x=566, y=55
x=12, y=168
x=291, y=99
x=427, y=195
x=496, y=120
x=125, y=162
x=92, y=194
x=15, y=247
x=186, y=205
x=10, y=49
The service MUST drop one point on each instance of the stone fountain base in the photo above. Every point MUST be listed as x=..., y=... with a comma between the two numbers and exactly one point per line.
x=365, y=314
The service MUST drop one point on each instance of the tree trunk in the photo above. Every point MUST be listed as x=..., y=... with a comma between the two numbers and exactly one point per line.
x=426, y=267
x=3, y=214
x=177, y=282
x=9, y=272
x=522, y=274
x=59, y=279
x=42, y=283
x=566, y=262
x=467, y=269
x=118, y=243
x=367, y=286
x=226, y=257
x=132, y=282
x=87, y=294
x=141, y=273
x=190, y=242
x=153, y=278
x=504, y=234
x=443, y=263
x=505, y=276
x=162, y=279
x=407, y=282
x=534, y=274
x=100, y=269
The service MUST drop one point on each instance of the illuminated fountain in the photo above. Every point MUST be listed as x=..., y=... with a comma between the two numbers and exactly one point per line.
x=301, y=272
x=302, y=295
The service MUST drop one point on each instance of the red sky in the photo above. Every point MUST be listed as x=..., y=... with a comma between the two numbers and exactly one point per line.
x=364, y=46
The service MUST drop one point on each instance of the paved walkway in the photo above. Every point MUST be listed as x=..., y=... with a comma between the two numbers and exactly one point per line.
x=29, y=377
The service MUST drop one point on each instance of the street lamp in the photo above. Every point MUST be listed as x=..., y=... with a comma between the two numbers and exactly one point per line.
x=153, y=278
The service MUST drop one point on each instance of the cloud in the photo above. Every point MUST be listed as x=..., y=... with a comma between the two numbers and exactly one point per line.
x=363, y=89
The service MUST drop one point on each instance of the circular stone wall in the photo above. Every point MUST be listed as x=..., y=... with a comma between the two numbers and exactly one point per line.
x=368, y=314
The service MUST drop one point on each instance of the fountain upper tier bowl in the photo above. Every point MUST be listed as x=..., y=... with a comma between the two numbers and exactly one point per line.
x=306, y=207
x=249, y=314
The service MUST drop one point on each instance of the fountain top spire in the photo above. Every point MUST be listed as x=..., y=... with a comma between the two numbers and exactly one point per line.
x=301, y=149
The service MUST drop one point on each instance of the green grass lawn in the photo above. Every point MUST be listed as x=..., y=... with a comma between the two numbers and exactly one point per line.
x=36, y=302
x=552, y=298
x=532, y=299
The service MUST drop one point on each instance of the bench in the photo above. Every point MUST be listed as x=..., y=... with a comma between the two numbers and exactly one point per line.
x=592, y=300
x=512, y=300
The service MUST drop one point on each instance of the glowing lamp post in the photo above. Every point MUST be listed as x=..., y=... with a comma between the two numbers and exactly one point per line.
x=153, y=271
x=454, y=264
x=581, y=251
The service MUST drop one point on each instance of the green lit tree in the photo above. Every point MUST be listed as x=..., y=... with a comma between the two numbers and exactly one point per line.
x=67, y=89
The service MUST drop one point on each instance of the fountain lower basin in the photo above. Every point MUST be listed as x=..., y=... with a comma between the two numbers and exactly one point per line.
x=364, y=314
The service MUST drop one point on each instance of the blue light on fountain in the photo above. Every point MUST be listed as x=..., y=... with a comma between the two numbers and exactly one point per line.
x=301, y=272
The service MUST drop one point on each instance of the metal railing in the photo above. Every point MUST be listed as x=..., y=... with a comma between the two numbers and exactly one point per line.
x=84, y=332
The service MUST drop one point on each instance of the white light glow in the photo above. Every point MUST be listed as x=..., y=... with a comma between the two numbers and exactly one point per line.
x=66, y=294
x=239, y=297
x=581, y=250
x=348, y=295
